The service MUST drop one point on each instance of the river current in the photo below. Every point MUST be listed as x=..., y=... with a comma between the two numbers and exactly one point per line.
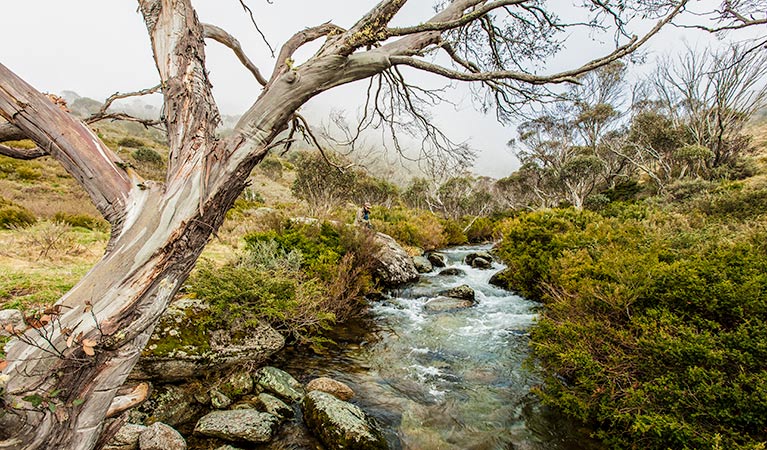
x=450, y=380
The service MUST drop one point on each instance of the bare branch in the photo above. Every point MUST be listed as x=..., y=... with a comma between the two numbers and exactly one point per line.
x=307, y=131
x=297, y=41
x=253, y=20
x=561, y=77
x=22, y=153
x=450, y=24
x=371, y=28
x=221, y=36
x=102, y=113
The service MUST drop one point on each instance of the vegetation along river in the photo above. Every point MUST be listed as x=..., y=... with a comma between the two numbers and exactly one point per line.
x=450, y=380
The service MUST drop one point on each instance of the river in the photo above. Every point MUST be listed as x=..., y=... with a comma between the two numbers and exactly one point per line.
x=449, y=380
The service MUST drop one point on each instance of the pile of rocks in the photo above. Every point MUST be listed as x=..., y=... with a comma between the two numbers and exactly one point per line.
x=249, y=409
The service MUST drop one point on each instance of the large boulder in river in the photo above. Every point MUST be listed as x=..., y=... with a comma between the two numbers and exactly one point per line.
x=451, y=271
x=482, y=263
x=501, y=279
x=335, y=388
x=437, y=259
x=279, y=383
x=170, y=404
x=422, y=264
x=463, y=292
x=469, y=259
x=446, y=304
x=241, y=425
x=393, y=265
x=182, y=347
x=341, y=425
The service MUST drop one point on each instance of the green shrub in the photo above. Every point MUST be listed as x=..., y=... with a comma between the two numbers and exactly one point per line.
x=653, y=330
x=147, y=155
x=302, y=278
x=531, y=242
x=82, y=220
x=742, y=204
x=481, y=230
x=131, y=142
x=20, y=170
x=412, y=227
x=271, y=167
x=13, y=215
x=453, y=232
x=28, y=173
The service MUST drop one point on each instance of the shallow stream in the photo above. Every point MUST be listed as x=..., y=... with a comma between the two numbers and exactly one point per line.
x=448, y=380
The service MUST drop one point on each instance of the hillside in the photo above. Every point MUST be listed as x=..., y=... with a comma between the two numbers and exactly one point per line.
x=41, y=262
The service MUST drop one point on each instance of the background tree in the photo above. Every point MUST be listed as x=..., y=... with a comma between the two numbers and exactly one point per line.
x=64, y=369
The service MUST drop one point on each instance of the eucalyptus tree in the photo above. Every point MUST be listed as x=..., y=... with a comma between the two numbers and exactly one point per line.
x=62, y=373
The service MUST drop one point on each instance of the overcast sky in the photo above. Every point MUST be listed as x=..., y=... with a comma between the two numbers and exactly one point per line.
x=98, y=47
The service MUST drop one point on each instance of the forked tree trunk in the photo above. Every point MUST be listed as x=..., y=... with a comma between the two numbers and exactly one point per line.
x=57, y=395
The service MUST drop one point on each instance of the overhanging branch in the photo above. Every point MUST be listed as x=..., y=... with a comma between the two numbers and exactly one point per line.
x=221, y=36
x=69, y=141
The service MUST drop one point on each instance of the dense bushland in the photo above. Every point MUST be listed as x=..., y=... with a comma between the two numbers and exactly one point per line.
x=654, y=327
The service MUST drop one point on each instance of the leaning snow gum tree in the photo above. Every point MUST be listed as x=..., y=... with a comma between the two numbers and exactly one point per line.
x=62, y=372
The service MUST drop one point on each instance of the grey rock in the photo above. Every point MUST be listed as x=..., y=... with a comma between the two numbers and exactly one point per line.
x=227, y=447
x=463, y=292
x=393, y=265
x=161, y=437
x=445, y=304
x=481, y=263
x=11, y=317
x=219, y=400
x=172, y=405
x=469, y=259
x=216, y=349
x=452, y=271
x=341, y=425
x=237, y=384
x=333, y=387
x=126, y=438
x=437, y=259
x=275, y=406
x=422, y=264
x=280, y=383
x=246, y=425
x=501, y=279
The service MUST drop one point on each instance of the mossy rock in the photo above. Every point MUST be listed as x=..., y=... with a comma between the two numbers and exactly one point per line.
x=341, y=425
x=190, y=341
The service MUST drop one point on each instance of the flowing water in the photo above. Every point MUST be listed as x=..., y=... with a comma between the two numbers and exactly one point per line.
x=449, y=380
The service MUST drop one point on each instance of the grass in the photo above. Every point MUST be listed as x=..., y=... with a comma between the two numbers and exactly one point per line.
x=29, y=279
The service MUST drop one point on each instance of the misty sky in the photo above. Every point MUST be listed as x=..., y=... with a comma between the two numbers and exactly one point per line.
x=98, y=47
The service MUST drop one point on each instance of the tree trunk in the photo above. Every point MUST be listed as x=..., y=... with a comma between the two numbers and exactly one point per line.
x=116, y=305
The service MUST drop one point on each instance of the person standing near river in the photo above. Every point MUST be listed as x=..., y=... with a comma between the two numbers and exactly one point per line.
x=363, y=216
